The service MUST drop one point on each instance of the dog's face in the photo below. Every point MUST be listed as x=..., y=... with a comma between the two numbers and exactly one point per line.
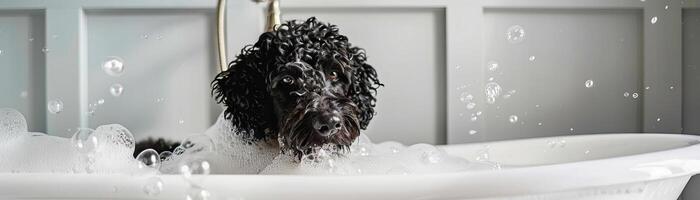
x=302, y=84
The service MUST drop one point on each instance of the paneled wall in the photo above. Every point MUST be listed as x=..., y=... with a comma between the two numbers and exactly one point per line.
x=455, y=71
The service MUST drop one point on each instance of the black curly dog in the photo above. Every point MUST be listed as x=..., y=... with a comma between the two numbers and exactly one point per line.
x=302, y=84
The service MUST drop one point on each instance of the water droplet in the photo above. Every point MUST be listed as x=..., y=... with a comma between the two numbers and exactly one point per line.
x=635, y=95
x=31, y=39
x=153, y=186
x=473, y=118
x=539, y=124
x=666, y=7
x=571, y=130
x=658, y=119
x=478, y=113
x=537, y=106
x=492, y=91
x=671, y=88
x=84, y=140
x=647, y=88
x=113, y=66
x=654, y=20
x=181, y=121
x=45, y=50
x=0, y=52
x=491, y=78
x=589, y=83
x=626, y=94
x=472, y=132
x=531, y=58
x=144, y=36
x=55, y=106
x=465, y=97
x=515, y=34
x=149, y=158
x=100, y=101
x=513, y=119
x=492, y=65
x=471, y=105
x=116, y=90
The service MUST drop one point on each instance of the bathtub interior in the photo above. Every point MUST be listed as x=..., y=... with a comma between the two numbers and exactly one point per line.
x=566, y=149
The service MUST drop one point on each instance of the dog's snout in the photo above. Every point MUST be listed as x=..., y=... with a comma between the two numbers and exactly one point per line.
x=327, y=124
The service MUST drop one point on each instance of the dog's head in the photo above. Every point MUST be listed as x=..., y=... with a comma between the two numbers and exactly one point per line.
x=303, y=84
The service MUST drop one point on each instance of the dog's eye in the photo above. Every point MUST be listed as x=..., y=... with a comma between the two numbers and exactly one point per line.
x=333, y=76
x=287, y=80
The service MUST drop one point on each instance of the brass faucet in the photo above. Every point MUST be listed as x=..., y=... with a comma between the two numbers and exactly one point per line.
x=272, y=20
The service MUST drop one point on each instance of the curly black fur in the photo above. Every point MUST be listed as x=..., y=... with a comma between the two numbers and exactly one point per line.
x=247, y=88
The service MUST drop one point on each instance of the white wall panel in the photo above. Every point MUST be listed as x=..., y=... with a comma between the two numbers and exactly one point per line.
x=407, y=48
x=22, y=73
x=168, y=58
x=543, y=77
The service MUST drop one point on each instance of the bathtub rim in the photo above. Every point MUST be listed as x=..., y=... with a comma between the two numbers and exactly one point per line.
x=508, y=182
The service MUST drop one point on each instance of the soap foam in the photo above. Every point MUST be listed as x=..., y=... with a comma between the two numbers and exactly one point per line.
x=219, y=150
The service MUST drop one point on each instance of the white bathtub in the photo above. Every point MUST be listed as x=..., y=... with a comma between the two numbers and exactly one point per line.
x=610, y=166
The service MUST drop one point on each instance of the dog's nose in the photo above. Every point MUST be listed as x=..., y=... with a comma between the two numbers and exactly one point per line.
x=327, y=124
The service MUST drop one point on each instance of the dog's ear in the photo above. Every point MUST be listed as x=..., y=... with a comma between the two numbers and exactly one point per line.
x=243, y=90
x=363, y=86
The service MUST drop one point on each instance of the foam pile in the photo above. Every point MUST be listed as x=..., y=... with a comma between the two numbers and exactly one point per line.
x=219, y=150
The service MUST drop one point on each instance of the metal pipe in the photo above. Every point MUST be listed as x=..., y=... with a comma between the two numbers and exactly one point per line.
x=273, y=15
x=221, y=34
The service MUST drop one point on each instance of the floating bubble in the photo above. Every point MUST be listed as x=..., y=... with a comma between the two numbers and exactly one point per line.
x=465, y=97
x=589, y=83
x=492, y=91
x=181, y=121
x=654, y=19
x=153, y=186
x=55, y=106
x=31, y=39
x=149, y=158
x=116, y=90
x=492, y=65
x=165, y=155
x=671, y=88
x=473, y=118
x=197, y=144
x=116, y=137
x=12, y=122
x=666, y=7
x=100, y=101
x=626, y=94
x=658, y=119
x=515, y=34
x=0, y=52
x=472, y=132
x=113, y=66
x=539, y=124
x=84, y=140
x=571, y=130
x=531, y=58
x=471, y=105
x=647, y=88
x=45, y=50
x=513, y=118
x=635, y=95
